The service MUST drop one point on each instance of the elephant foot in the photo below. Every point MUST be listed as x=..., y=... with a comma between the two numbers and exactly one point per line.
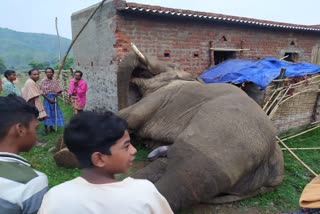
x=234, y=197
x=158, y=152
x=65, y=158
x=153, y=171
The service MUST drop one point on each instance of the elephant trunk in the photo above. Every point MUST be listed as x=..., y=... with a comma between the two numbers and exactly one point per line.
x=126, y=66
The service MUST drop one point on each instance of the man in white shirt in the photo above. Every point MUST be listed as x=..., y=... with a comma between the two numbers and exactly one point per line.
x=102, y=145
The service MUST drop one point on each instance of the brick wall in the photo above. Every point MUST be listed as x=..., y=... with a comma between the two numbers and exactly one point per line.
x=186, y=42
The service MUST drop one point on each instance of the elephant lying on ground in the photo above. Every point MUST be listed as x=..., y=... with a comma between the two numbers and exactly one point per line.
x=223, y=145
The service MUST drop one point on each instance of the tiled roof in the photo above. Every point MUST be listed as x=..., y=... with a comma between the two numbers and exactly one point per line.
x=164, y=11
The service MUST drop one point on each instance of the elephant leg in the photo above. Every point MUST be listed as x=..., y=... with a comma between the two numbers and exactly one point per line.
x=152, y=171
x=228, y=198
x=137, y=114
x=185, y=183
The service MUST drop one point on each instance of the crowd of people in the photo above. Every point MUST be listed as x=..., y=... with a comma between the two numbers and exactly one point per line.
x=101, y=143
x=49, y=88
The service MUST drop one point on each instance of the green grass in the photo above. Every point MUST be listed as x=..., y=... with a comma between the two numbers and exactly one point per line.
x=286, y=196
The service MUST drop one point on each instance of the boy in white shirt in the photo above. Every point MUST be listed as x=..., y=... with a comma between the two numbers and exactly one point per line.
x=102, y=145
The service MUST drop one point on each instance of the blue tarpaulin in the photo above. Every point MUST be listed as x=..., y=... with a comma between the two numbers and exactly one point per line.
x=261, y=72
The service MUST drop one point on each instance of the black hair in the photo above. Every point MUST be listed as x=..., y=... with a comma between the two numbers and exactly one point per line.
x=7, y=73
x=90, y=132
x=13, y=110
x=34, y=69
x=80, y=72
x=49, y=68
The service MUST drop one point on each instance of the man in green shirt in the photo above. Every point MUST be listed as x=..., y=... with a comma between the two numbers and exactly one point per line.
x=8, y=85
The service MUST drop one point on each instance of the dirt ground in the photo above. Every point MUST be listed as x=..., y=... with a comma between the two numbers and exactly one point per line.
x=226, y=209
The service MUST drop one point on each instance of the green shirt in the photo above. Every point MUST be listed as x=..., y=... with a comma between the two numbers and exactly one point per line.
x=10, y=88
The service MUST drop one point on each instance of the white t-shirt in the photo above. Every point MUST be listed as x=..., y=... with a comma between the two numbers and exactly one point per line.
x=125, y=197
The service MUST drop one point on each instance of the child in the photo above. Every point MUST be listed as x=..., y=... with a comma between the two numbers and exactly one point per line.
x=22, y=187
x=8, y=85
x=102, y=146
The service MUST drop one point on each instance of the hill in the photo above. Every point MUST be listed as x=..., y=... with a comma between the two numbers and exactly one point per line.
x=17, y=49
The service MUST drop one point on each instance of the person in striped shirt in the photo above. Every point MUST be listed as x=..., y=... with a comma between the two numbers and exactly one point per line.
x=21, y=187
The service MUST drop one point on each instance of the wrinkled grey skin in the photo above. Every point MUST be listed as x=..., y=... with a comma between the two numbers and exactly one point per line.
x=223, y=145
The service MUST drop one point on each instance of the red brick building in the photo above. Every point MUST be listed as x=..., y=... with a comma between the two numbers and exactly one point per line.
x=194, y=40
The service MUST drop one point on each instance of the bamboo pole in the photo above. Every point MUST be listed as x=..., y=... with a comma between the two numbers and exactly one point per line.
x=265, y=105
x=278, y=103
x=301, y=133
x=301, y=92
x=58, y=36
x=314, y=148
x=312, y=125
x=275, y=99
x=59, y=55
x=294, y=155
x=61, y=64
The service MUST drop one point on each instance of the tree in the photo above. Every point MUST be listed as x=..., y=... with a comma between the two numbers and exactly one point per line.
x=3, y=67
x=38, y=65
x=67, y=65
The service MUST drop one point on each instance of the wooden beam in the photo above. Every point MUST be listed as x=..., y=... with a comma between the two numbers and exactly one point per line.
x=229, y=49
x=211, y=54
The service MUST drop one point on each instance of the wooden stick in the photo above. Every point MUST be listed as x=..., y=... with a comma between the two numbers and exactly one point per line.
x=312, y=125
x=281, y=76
x=294, y=155
x=301, y=133
x=273, y=111
x=301, y=92
x=284, y=57
x=265, y=105
x=211, y=54
x=309, y=79
x=229, y=49
x=56, y=21
x=75, y=39
x=314, y=148
x=275, y=99
x=56, y=113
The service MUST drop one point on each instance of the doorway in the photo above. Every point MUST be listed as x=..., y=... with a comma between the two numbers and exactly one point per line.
x=220, y=56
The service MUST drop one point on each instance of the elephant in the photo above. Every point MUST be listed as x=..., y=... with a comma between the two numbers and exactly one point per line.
x=222, y=146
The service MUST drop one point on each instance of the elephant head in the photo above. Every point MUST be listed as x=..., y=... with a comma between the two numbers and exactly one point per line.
x=139, y=75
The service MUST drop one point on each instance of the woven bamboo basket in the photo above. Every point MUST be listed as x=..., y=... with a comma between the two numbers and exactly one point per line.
x=294, y=104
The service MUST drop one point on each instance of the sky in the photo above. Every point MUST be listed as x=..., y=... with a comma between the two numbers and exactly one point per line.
x=38, y=16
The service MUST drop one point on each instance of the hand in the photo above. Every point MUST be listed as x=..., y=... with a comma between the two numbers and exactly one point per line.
x=51, y=101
